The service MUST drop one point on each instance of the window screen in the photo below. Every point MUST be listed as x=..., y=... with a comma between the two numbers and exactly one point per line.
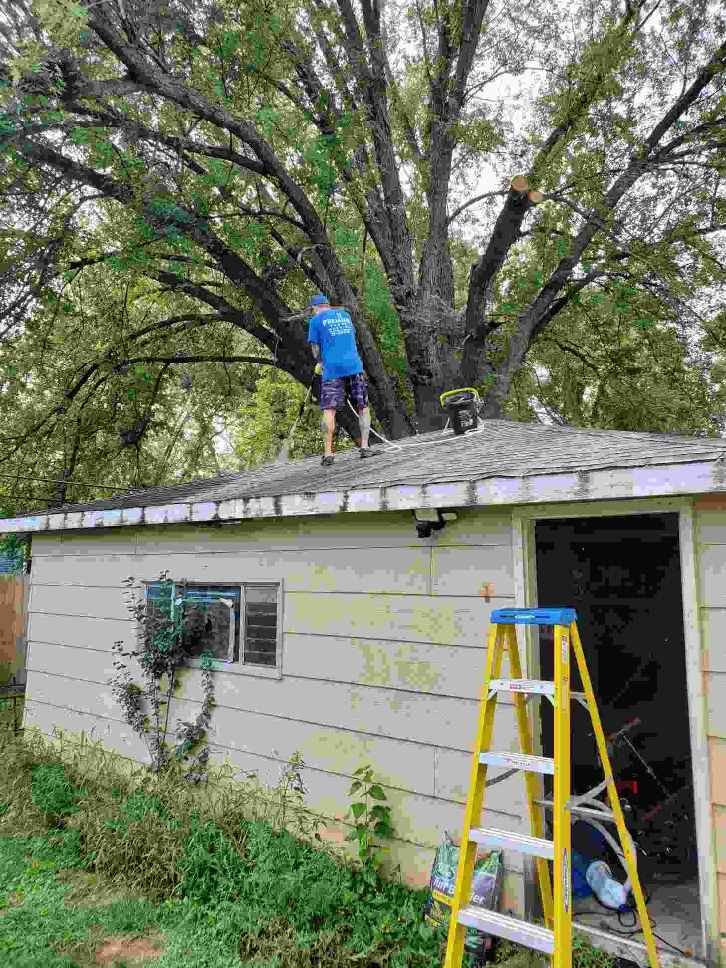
x=211, y=615
x=260, y=638
x=212, y=619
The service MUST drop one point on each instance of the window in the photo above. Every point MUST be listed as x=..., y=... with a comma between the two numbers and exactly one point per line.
x=260, y=638
x=236, y=623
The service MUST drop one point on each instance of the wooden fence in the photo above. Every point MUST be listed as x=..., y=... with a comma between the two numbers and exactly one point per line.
x=13, y=627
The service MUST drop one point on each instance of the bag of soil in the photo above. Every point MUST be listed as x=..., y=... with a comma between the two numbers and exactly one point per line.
x=486, y=886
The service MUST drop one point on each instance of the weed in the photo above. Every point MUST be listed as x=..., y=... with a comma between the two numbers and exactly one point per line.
x=508, y=955
x=53, y=793
x=370, y=819
x=584, y=955
x=289, y=799
x=211, y=868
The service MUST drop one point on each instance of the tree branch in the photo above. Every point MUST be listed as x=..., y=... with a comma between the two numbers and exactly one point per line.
x=642, y=161
x=472, y=201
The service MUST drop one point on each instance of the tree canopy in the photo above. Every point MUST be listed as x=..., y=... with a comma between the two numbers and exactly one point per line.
x=525, y=199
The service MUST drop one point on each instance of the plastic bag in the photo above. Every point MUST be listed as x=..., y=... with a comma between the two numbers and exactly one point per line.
x=486, y=886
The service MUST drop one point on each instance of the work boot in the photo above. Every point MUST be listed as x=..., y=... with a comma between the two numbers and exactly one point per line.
x=327, y=460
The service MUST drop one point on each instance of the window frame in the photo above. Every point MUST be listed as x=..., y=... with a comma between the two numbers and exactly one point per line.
x=237, y=666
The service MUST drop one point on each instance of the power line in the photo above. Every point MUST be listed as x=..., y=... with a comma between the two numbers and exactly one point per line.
x=52, y=480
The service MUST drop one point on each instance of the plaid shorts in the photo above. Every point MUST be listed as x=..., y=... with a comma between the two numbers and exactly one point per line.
x=333, y=392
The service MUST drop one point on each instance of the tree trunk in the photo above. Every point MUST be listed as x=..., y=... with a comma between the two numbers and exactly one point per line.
x=433, y=336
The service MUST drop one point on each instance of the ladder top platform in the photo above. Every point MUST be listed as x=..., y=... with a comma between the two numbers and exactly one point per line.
x=533, y=616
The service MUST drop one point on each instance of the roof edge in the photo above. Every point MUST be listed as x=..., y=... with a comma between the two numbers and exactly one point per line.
x=698, y=477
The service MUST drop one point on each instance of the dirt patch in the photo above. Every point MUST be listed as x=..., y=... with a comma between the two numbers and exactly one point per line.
x=128, y=950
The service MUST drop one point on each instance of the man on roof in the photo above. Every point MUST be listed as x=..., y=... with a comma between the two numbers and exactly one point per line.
x=332, y=340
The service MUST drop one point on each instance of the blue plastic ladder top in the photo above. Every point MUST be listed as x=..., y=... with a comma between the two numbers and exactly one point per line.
x=533, y=616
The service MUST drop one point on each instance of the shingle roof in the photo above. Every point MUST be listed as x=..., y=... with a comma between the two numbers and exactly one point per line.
x=498, y=449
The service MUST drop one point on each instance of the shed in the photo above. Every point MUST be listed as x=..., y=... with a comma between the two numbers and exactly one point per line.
x=356, y=639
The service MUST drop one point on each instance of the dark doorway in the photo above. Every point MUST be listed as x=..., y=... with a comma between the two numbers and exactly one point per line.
x=622, y=575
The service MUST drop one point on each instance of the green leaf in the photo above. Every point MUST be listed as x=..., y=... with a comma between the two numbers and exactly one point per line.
x=376, y=792
x=358, y=809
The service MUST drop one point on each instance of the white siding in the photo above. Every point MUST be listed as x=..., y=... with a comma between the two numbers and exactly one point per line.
x=383, y=654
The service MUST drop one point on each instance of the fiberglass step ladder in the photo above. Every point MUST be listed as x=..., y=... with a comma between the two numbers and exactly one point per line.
x=555, y=937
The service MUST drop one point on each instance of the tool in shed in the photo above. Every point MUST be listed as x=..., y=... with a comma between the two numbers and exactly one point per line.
x=555, y=937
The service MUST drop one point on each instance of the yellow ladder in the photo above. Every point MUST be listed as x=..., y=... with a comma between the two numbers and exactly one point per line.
x=555, y=937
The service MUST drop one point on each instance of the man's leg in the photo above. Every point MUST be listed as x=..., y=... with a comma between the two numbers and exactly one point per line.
x=332, y=394
x=328, y=430
x=358, y=386
x=364, y=422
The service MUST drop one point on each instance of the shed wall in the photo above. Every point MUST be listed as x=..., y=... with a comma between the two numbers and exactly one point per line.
x=711, y=575
x=383, y=655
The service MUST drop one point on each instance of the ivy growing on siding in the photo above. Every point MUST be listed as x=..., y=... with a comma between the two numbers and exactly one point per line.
x=160, y=654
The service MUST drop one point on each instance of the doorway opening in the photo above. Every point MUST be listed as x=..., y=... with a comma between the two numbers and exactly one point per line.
x=623, y=577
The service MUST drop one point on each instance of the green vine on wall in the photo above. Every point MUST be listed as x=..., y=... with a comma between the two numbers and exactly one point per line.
x=160, y=654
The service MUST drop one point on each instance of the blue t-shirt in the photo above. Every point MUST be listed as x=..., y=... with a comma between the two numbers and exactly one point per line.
x=333, y=331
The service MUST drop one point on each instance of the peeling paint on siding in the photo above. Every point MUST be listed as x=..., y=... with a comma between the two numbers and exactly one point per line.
x=695, y=478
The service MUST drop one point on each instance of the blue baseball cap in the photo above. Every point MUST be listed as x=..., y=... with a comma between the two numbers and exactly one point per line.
x=319, y=300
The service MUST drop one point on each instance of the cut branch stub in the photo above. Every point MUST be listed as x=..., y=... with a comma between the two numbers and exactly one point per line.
x=519, y=184
x=535, y=197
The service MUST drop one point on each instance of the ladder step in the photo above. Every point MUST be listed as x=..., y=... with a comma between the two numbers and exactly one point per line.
x=520, y=932
x=519, y=761
x=505, y=840
x=542, y=687
x=533, y=616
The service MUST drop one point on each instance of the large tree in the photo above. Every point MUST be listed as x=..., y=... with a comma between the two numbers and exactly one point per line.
x=225, y=159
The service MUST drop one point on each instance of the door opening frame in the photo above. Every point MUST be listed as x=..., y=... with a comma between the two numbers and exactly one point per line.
x=524, y=518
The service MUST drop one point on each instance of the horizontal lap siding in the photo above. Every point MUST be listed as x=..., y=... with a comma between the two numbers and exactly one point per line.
x=710, y=543
x=383, y=651
x=371, y=570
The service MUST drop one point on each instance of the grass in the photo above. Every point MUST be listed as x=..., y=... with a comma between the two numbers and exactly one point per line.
x=10, y=714
x=105, y=865
x=94, y=860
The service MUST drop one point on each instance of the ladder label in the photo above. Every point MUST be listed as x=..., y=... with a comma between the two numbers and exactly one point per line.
x=565, y=880
x=520, y=761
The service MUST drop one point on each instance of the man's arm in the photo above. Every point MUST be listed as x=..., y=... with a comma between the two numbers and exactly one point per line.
x=315, y=349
